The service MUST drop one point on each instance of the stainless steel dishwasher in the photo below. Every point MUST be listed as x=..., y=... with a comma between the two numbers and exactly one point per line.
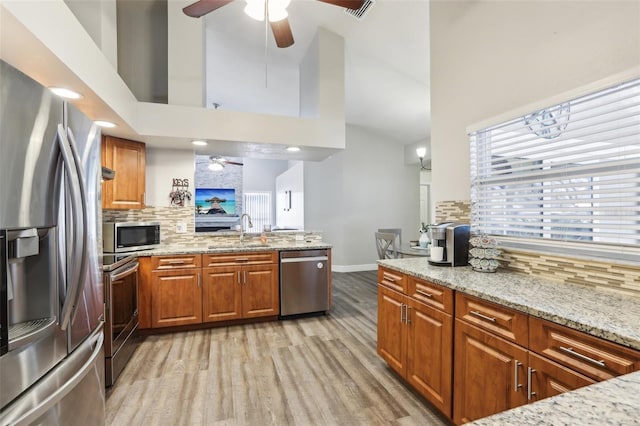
x=304, y=282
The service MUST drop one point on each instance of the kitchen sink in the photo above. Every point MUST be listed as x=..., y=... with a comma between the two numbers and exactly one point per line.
x=240, y=246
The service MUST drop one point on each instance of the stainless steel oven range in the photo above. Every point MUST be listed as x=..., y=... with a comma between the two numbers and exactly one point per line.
x=121, y=312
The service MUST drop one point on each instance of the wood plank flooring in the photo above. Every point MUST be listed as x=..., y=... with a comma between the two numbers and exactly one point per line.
x=320, y=370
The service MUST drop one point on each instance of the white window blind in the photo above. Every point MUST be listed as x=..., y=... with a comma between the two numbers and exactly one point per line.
x=258, y=206
x=567, y=173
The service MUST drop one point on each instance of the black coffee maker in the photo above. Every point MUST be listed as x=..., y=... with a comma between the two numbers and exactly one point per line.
x=454, y=239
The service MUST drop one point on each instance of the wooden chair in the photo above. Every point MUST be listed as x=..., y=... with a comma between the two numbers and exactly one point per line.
x=396, y=231
x=386, y=245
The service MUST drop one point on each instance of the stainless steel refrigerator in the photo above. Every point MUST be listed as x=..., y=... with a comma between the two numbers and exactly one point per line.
x=51, y=307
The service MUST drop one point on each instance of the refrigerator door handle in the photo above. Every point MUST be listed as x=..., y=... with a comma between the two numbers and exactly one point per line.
x=78, y=228
x=83, y=226
x=55, y=397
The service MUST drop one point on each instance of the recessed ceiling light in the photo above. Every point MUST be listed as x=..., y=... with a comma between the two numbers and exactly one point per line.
x=293, y=149
x=199, y=143
x=103, y=123
x=65, y=93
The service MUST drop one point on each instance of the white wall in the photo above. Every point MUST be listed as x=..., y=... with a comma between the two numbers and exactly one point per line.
x=291, y=215
x=99, y=20
x=353, y=193
x=489, y=57
x=162, y=166
x=142, y=48
x=185, y=57
x=260, y=175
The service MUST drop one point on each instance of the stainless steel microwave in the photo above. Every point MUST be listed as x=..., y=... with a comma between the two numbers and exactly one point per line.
x=118, y=237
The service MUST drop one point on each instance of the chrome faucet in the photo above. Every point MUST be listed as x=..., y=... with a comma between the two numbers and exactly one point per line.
x=242, y=230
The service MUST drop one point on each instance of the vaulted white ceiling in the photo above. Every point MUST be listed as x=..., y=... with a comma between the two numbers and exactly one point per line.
x=386, y=63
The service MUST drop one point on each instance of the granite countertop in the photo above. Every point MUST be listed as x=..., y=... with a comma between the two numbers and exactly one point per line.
x=601, y=313
x=612, y=402
x=235, y=248
x=608, y=315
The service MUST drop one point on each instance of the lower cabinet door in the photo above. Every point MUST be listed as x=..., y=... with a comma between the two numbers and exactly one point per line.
x=547, y=378
x=176, y=298
x=260, y=291
x=392, y=332
x=430, y=354
x=221, y=293
x=489, y=374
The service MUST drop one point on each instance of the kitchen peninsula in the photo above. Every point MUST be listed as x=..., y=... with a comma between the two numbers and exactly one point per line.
x=221, y=283
x=541, y=321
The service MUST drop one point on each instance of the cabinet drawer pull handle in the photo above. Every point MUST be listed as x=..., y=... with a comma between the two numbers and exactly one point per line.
x=516, y=385
x=242, y=259
x=389, y=278
x=245, y=277
x=483, y=316
x=583, y=357
x=176, y=262
x=402, y=313
x=199, y=281
x=406, y=315
x=530, y=392
x=424, y=293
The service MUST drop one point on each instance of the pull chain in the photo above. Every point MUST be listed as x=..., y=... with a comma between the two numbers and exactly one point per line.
x=266, y=40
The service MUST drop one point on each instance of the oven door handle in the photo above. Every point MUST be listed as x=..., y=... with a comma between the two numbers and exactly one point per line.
x=120, y=275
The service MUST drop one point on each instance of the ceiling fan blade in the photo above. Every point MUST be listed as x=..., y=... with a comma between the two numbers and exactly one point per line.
x=349, y=4
x=233, y=162
x=282, y=33
x=202, y=7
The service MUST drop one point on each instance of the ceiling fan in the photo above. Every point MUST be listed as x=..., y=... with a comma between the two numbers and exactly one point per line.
x=277, y=14
x=217, y=163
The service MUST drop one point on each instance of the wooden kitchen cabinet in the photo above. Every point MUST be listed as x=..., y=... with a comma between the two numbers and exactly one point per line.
x=546, y=378
x=392, y=332
x=221, y=294
x=128, y=159
x=489, y=374
x=176, y=298
x=415, y=338
x=502, y=358
x=589, y=355
x=240, y=285
x=176, y=290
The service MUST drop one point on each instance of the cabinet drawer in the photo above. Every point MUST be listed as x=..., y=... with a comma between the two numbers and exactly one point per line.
x=431, y=294
x=504, y=322
x=589, y=355
x=392, y=279
x=240, y=258
x=178, y=261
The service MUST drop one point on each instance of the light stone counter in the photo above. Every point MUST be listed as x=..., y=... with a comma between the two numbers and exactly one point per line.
x=600, y=313
x=612, y=402
x=235, y=248
x=608, y=315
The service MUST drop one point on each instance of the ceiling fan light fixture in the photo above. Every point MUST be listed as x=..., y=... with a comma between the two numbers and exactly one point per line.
x=277, y=9
x=215, y=166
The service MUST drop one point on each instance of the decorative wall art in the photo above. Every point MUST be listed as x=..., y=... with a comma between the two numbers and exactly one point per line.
x=215, y=201
x=180, y=192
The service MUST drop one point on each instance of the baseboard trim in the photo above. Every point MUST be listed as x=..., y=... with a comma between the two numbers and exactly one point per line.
x=354, y=268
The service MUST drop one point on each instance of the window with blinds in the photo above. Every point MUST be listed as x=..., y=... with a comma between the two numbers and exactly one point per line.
x=258, y=206
x=565, y=175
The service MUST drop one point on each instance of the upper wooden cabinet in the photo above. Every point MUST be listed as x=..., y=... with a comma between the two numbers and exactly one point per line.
x=128, y=159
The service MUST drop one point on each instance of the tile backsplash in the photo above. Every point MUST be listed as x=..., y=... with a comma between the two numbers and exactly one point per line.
x=169, y=217
x=453, y=211
x=606, y=275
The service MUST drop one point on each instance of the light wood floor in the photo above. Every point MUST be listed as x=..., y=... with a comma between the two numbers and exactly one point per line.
x=320, y=370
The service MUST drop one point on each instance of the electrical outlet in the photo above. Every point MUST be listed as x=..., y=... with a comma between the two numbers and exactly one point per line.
x=181, y=227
